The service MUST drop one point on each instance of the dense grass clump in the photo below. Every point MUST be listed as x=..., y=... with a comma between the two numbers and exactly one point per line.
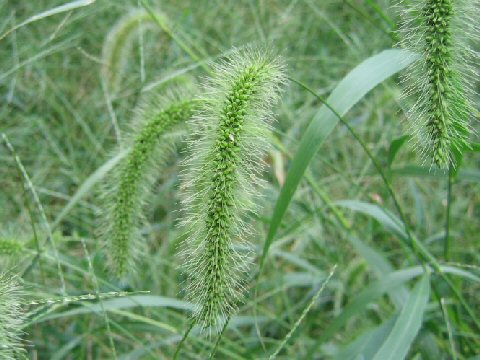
x=10, y=247
x=222, y=179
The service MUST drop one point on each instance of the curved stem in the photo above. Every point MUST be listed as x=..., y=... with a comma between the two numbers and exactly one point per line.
x=180, y=344
x=212, y=354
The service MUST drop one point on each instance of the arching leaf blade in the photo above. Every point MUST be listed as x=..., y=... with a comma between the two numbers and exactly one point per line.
x=348, y=92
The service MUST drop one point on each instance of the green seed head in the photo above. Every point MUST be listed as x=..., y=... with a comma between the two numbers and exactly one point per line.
x=128, y=188
x=222, y=179
x=441, y=81
x=118, y=45
x=11, y=317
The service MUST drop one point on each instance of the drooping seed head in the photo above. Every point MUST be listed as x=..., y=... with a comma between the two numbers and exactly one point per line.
x=118, y=45
x=129, y=186
x=222, y=177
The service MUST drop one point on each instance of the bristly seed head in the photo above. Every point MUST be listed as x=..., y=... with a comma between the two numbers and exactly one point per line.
x=221, y=180
x=11, y=317
x=441, y=81
x=129, y=186
x=10, y=247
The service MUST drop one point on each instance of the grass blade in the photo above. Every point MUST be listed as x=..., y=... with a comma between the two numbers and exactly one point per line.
x=408, y=323
x=87, y=185
x=56, y=10
x=348, y=92
x=391, y=223
x=366, y=345
x=389, y=282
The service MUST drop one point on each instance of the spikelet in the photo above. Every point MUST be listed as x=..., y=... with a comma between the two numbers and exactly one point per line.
x=441, y=81
x=11, y=317
x=221, y=179
x=10, y=247
x=118, y=45
x=127, y=189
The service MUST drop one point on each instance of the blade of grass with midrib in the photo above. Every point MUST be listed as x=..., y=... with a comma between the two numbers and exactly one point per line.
x=348, y=92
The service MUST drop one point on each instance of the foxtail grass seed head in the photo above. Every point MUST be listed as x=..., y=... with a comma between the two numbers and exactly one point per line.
x=118, y=45
x=442, y=80
x=11, y=317
x=10, y=247
x=128, y=188
x=222, y=179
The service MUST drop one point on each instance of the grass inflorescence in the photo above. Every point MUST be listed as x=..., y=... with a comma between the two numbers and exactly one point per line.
x=11, y=317
x=118, y=44
x=10, y=247
x=322, y=202
x=441, y=81
x=222, y=180
x=128, y=187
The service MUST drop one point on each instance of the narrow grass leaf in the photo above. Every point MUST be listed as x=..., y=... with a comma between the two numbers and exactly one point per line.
x=380, y=266
x=408, y=323
x=367, y=344
x=380, y=287
x=123, y=303
x=56, y=10
x=348, y=92
x=471, y=175
x=388, y=220
x=395, y=146
x=87, y=185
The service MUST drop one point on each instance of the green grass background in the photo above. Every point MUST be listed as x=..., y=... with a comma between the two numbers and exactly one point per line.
x=54, y=111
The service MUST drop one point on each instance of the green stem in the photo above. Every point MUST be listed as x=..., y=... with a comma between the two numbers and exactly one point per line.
x=212, y=354
x=180, y=344
x=447, y=244
x=30, y=214
x=99, y=299
x=413, y=242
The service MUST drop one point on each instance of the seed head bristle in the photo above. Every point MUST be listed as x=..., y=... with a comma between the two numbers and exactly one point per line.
x=11, y=317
